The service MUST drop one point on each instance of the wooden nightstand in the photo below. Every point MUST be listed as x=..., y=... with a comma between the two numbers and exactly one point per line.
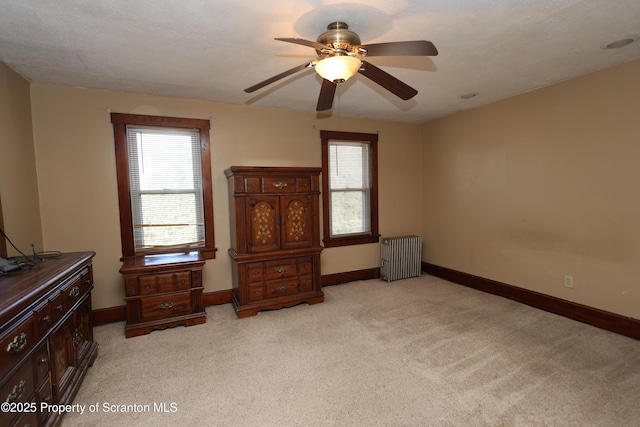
x=163, y=291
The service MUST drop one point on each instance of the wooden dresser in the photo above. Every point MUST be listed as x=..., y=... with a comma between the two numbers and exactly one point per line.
x=275, y=237
x=163, y=291
x=46, y=343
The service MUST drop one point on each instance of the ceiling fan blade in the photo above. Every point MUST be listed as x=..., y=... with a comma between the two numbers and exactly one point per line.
x=303, y=42
x=278, y=77
x=411, y=48
x=387, y=81
x=327, y=92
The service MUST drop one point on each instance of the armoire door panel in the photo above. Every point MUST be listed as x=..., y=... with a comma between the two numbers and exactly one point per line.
x=298, y=220
x=264, y=224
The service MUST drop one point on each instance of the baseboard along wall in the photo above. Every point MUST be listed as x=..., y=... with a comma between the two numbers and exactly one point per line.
x=582, y=313
x=602, y=319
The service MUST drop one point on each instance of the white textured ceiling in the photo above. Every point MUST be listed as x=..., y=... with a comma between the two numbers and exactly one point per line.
x=214, y=49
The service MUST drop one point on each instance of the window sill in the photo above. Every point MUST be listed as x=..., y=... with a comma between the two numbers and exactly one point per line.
x=350, y=240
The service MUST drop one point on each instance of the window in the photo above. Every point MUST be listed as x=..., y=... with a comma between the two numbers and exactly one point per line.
x=349, y=188
x=164, y=184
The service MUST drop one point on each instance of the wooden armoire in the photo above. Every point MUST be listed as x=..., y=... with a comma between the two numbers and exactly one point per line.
x=275, y=237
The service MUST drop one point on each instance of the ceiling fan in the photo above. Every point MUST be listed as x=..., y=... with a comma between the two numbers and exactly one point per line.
x=339, y=58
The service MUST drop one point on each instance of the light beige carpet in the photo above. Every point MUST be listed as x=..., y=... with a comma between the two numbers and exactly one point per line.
x=415, y=352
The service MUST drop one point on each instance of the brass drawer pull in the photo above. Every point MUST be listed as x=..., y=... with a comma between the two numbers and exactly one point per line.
x=166, y=305
x=281, y=269
x=44, y=360
x=17, y=392
x=75, y=291
x=279, y=185
x=59, y=307
x=46, y=318
x=18, y=344
x=282, y=288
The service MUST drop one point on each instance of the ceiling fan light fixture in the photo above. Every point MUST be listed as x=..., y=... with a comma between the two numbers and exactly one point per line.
x=338, y=69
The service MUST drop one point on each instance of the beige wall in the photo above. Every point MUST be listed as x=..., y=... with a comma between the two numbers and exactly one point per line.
x=18, y=178
x=76, y=169
x=523, y=191
x=539, y=186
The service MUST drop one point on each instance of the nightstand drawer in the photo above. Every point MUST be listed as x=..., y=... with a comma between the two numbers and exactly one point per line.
x=165, y=305
x=160, y=283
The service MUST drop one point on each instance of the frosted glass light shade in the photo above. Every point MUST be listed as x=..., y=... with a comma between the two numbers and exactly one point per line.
x=338, y=68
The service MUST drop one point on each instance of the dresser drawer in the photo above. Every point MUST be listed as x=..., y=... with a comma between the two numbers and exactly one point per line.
x=160, y=283
x=280, y=269
x=41, y=363
x=278, y=288
x=45, y=395
x=27, y=419
x=18, y=388
x=165, y=305
x=73, y=292
x=15, y=343
x=57, y=306
x=43, y=319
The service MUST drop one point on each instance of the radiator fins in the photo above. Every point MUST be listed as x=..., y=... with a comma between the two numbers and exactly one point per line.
x=400, y=257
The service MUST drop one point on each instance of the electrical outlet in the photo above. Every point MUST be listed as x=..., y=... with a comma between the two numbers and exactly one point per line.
x=568, y=281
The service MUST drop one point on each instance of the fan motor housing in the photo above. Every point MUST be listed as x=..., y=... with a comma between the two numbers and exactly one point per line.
x=339, y=37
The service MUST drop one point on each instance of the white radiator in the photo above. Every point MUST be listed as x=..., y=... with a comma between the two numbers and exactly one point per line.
x=400, y=257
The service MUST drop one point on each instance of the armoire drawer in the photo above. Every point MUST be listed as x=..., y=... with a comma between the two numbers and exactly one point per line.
x=280, y=269
x=279, y=288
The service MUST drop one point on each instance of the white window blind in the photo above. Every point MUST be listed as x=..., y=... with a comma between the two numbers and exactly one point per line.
x=166, y=188
x=349, y=187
